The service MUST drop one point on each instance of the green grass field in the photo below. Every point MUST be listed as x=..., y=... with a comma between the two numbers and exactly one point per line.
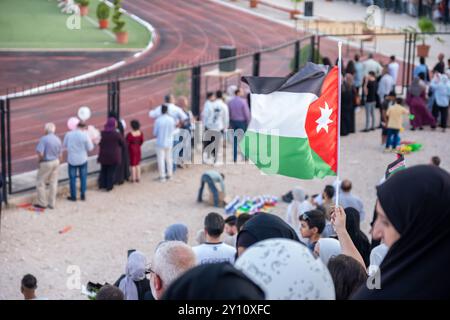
x=39, y=24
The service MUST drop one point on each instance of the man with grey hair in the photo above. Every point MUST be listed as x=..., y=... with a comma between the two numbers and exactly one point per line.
x=171, y=259
x=49, y=151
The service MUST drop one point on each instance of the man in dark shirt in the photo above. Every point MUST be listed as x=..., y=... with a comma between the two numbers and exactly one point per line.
x=440, y=66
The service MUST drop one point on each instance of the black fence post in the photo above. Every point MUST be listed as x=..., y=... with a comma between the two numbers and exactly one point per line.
x=317, y=56
x=3, y=145
x=256, y=63
x=196, y=79
x=297, y=56
x=8, y=143
x=408, y=59
x=117, y=101
x=312, y=54
x=405, y=43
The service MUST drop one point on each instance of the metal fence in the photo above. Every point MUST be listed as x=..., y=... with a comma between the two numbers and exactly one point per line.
x=23, y=114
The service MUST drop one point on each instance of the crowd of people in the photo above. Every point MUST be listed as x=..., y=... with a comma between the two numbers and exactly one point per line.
x=373, y=86
x=318, y=250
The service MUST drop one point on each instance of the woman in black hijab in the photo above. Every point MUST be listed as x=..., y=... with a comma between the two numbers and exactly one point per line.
x=358, y=237
x=414, y=220
x=261, y=227
x=216, y=281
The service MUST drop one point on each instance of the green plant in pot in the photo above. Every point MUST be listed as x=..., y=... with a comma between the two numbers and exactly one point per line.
x=119, y=24
x=426, y=26
x=103, y=15
x=84, y=7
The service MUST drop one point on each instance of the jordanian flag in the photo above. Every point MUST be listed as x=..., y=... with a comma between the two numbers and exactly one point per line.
x=294, y=126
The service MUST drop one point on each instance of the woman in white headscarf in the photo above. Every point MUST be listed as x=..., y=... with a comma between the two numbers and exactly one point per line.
x=133, y=283
x=296, y=208
x=286, y=270
x=327, y=248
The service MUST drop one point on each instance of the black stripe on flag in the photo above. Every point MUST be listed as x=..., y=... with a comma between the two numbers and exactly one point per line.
x=307, y=80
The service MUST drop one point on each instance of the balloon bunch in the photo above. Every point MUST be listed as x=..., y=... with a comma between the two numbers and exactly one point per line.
x=248, y=205
x=84, y=114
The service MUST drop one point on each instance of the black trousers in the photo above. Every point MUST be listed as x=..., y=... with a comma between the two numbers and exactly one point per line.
x=107, y=175
x=444, y=114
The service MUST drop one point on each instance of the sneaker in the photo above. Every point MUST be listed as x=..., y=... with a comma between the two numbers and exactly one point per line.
x=50, y=207
x=39, y=206
x=71, y=199
x=83, y=197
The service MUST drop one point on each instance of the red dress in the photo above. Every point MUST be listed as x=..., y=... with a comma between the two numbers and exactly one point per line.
x=134, y=148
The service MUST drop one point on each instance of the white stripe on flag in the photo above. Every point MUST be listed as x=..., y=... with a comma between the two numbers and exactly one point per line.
x=284, y=112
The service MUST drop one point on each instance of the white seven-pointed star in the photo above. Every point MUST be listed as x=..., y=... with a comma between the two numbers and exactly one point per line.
x=324, y=120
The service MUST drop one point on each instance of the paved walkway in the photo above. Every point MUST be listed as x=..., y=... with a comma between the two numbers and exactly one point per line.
x=348, y=11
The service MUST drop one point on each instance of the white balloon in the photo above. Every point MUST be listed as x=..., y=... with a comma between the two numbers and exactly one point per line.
x=84, y=113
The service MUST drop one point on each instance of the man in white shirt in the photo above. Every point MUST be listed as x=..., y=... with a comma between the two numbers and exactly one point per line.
x=176, y=113
x=214, y=250
x=163, y=131
x=216, y=119
x=393, y=67
x=371, y=65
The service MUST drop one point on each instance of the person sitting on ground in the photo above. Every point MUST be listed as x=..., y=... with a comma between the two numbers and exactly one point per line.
x=262, y=226
x=211, y=177
x=347, y=199
x=171, y=259
x=28, y=287
x=327, y=248
x=109, y=292
x=216, y=281
x=214, y=250
x=133, y=283
x=297, y=207
x=358, y=237
x=348, y=275
x=286, y=270
x=312, y=224
x=230, y=231
x=435, y=161
x=177, y=232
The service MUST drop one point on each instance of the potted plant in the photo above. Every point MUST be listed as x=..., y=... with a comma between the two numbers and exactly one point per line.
x=253, y=3
x=103, y=15
x=294, y=12
x=425, y=25
x=119, y=28
x=84, y=7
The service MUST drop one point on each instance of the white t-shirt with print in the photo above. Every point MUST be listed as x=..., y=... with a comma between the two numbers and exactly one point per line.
x=214, y=253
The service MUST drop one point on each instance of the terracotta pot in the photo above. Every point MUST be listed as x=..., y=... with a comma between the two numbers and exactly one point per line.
x=122, y=37
x=253, y=3
x=293, y=14
x=423, y=50
x=103, y=24
x=84, y=11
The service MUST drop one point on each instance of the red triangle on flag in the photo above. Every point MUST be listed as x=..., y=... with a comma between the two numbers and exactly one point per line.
x=322, y=121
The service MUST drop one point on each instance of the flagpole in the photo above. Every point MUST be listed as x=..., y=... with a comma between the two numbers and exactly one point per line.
x=339, y=122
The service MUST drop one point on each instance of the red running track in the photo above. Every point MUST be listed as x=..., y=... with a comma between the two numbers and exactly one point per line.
x=189, y=31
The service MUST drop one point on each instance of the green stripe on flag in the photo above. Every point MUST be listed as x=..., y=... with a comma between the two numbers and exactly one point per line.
x=287, y=156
